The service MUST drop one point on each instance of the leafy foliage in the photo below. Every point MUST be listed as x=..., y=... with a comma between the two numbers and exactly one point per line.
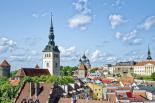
x=67, y=70
x=153, y=76
x=13, y=73
x=8, y=92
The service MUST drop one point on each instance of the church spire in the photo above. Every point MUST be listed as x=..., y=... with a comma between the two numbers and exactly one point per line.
x=149, y=54
x=51, y=34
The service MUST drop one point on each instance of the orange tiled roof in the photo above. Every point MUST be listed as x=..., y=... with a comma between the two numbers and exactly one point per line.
x=112, y=98
x=82, y=67
x=14, y=82
x=142, y=63
x=4, y=64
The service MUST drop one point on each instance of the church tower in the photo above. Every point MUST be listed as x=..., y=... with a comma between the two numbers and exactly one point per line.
x=51, y=54
x=149, y=54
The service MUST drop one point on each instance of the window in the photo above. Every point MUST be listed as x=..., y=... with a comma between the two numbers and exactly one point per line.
x=56, y=64
x=47, y=65
x=56, y=55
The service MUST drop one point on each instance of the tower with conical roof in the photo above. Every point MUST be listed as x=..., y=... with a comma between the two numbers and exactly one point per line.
x=149, y=54
x=51, y=54
x=84, y=60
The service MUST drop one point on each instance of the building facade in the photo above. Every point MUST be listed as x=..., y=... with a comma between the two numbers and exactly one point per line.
x=145, y=67
x=51, y=54
x=83, y=67
x=84, y=60
x=122, y=68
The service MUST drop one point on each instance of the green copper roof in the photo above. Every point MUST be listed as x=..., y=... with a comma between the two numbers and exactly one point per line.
x=50, y=47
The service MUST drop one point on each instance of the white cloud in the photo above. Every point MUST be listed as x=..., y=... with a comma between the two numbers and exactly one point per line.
x=83, y=17
x=38, y=15
x=35, y=15
x=6, y=45
x=149, y=22
x=82, y=6
x=115, y=20
x=68, y=54
x=80, y=21
x=136, y=41
x=129, y=38
x=100, y=57
x=96, y=55
x=119, y=35
x=67, y=51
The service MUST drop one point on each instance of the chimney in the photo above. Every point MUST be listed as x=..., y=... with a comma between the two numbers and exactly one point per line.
x=31, y=89
x=37, y=89
x=66, y=88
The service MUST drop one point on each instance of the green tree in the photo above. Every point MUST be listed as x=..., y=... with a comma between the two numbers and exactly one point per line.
x=13, y=73
x=153, y=76
x=67, y=70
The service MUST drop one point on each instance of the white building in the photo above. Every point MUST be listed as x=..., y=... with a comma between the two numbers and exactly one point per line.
x=146, y=67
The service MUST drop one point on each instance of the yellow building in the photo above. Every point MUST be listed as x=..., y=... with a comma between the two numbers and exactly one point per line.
x=97, y=91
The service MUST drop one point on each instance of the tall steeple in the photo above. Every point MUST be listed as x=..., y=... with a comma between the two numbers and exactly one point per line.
x=51, y=53
x=51, y=34
x=51, y=43
x=149, y=54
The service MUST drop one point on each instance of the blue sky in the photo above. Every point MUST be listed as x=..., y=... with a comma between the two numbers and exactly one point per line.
x=108, y=31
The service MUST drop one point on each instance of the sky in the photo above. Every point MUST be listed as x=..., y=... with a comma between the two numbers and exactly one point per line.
x=107, y=31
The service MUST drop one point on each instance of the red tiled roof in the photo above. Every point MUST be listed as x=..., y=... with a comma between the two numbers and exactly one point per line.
x=32, y=72
x=4, y=64
x=82, y=67
x=68, y=100
x=42, y=96
x=142, y=63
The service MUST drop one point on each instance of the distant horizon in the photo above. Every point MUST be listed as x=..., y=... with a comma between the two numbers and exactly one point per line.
x=107, y=31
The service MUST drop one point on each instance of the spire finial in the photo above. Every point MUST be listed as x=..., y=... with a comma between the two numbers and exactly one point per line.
x=51, y=20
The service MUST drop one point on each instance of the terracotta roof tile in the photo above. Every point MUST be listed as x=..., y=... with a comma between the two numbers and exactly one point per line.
x=4, y=64
x=42, y=96
x=142, y=63
x=82, y=67
x=32, y=72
